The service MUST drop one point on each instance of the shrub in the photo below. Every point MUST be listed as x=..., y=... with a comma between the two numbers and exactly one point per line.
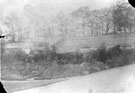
x=49, y=64
x=73, y=58
x=21, y=56
x=97, y=66
x=61, y=71
x=114, y=52
x=113, y=57
x=45, y=56
x=98, y=55
x=121, y=58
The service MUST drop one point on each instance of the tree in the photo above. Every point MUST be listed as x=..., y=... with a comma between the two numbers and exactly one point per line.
x=63, y=22
x=98, y=21
x=121, y=16
x=106, y=19
x=14, y=24
x=92, y=21
x=82, y=14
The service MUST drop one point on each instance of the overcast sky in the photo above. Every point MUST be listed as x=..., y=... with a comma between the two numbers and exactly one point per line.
x=51, y=5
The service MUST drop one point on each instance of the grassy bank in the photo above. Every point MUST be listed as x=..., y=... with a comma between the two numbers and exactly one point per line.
x=49, y=65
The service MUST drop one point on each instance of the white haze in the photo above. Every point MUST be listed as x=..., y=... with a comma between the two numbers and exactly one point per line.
x=49, y=7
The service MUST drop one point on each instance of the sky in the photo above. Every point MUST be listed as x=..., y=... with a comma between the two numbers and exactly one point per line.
x=50, y=6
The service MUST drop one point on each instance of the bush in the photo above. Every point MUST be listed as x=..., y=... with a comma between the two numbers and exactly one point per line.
x=113, y=57
x=66, y=58
x=45, y=56
x=99, y=55
x=49, y=64
x=21, y=56
x=114, y=52
x=97, y=66
x=61, y=71
x=11, y=68
x=121, y=58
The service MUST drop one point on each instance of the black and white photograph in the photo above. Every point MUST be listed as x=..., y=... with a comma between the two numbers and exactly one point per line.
x=67, y=46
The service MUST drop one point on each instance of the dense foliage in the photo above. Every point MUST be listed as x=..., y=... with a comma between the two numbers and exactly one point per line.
x=62, y=65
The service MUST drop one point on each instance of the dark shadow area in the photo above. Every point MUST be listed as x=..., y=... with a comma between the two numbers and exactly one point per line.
x=2, y=90
x=2, y=36
x=132, y=2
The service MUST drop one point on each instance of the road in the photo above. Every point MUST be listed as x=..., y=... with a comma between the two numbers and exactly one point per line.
x=117, y=80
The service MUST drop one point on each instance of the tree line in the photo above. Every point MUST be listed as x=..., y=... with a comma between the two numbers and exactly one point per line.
x=118, y=18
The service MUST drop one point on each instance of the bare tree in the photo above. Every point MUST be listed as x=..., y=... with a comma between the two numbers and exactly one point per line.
x=15, y=25
x=121, y=16
x=82, y=14
x=62, y=22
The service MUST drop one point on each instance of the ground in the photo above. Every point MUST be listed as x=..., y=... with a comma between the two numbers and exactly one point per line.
x=117, y=80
